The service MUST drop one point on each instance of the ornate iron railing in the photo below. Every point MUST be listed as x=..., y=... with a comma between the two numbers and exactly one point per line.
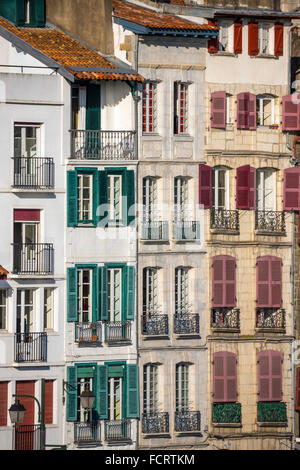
x=33, y=258
x=227, y=412
x=270, y=221
x=155, y=423
x=87, y=433
x=118, y=331
x=156, y=230
x=225, y=318
x=88, y=332
x=28, y=437
x=186, y=323
x=30, y=347
x=33, y=172
x=118, y=430
x=155, y=325
x=187, y=421
x=221, y=219
x=271, y=412
x=186, y=230
x=270, y=318
x=102, y=145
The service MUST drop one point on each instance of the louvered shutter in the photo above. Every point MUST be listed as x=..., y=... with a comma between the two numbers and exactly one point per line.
x=246, y=187
x=103, y=392
x=269, y=376
x=219, y=378
x=253, y=39
x=71, y=407
x=132, y=381
x=39, y=13
x=72, y=311
x=93, y=110
x=263, y=376
x=72, y=198
x=276, y=282
x=291, y=189
x=223, y=281
x=102, y=210
x=243, y=111
x=48, y=413
x=213, y=43
x=103, y=292
x=231, y=377
x=95, y=296
x=290, y=112
x=269, y=282
x=3, y=403
x=205, y=186
x=278, y=39
x=238, y=38
x=252, y=112
x=224, y=377
x=276, y=376
x=297, y=394
x=27, y=388
x=218, y=109
x=130, y=292
x=230, y=282
x=130, y=194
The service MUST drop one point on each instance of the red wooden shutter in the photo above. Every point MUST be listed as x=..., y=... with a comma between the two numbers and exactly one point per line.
x=245, y=187
x=3, y=403
x=213, y=43
x=269, y=282
x=26, y=215
x=218, y=109
x=278, y=40
x=269, y=376
x=224, y=377
x=290, y=112
x=297, y=394
x=26, y=388
x=252, y=202
x=238, y=38
x=253, y=39
x=48, y=402
x=219, y=378
x=252, y=112
x=291, y=189
x=223, y=281
x=205, y=186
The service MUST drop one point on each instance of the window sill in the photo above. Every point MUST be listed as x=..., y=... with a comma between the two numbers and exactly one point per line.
x=270, y=233
x=225, y=330
x=31, y=190
x=188, y=433
x=183, y=137
x=222, y=231
x=270, y=330
x=152, y=136
x=228, y=425
x=264, y=56
x=272, y=424
x=158, y=435
x=187, y=336
x=225, y=54
x=154, y=337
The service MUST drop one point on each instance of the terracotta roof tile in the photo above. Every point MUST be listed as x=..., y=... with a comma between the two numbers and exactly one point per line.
x=3, y=272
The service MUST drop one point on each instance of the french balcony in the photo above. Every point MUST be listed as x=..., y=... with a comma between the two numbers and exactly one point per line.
x=33, y=258
x=222, y=220
x=270, y=222
x=225, y=319
x=186, y=230
x=187, y=421
x=186, y=323
x=156, y=423
x=118, y=332
x=88, y=333
x=117, y=431
x=87, y=434
x=30, y=347
x=155, y=230
x=227, y=413
x=155, y=324
x=272, y=319
x=28, y=437
x=33, y=173
x=271, y=412
x=102, y=145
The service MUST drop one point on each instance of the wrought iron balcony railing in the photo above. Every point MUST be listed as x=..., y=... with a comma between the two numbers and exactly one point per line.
x=30, y=347
x=187, y=421
x=88, y=332
x=270, y=221
x=186, y=323
x=227, y=413
x=157, y=423
x=155, y=324
x=102, y=145
x=225, y=318
x=118, y=331
x=270, y=318
x=186, y=230
x=155, y=230
x=221, y=219
x=271, y=412
x=118, y=430
x=87, y=433
x=28, y=437
x=33, y=173
x=33, y=258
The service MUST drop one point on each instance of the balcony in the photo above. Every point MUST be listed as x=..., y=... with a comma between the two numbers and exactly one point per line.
x=271, y=412
x=225, y=319
x=28, y=437
x=156, y=423
x=155, y=325
x=88, y=333
x=33, y=258
x=102, y=145
x=30, y=347
x=155, y=231
x=186, y=231
x=222, y=220
x=186, y=323
x=86, y=434
x=187, y=421
x=227, y=413
x=33, y=173
x=270, y=222
x=118, y=332
x=117, y=431
x=272, y=319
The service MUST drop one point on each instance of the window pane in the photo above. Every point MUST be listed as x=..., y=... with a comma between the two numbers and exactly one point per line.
x=2, y=309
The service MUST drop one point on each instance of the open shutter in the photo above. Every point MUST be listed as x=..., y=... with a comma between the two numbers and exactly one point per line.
x=291, y=189
x=130, y=194
x=223, y=281
x=218, y=109
x=213, y=43
x=103, y=293
x=290, y=113
x=19, y=12
x=72, y=198
x=253, y=39
x=132, y=404
x=93, y=107
x=231, y=377
x=276, y=282
x=276, y=375
x=269, y=376
x=95, y=311
x=103, y=392
x=297, y=394
x=102, y=211
x=130, y=297
x=71, y=408
x=269, y=282
x=230, y=282
x=243, y=111
x=278, y=39
x=205, y=186
x=252, y=112
x=48, y=416
x=96, y=197
x=39, y=13
x=238, y=38
x=3, y=403
x=72, y=314
x=246, y=187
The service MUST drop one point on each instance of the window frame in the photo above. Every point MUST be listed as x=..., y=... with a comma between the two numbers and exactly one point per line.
x=150, y=388
x=215, y=188
x=182, y=291
x=52, y=309
x=180, y=108
x=149, y=108
x=3, y=307
x=80, y=297
x=81, y=199
x=23, y=138
x=182, y=387
x=228, y=27
x=261, y=189
x=260, y=113
x=269, y=27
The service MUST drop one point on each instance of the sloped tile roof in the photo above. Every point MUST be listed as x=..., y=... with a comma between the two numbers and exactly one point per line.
x=3, y=272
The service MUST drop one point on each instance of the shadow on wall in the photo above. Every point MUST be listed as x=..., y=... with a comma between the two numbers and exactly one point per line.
x=113, y=95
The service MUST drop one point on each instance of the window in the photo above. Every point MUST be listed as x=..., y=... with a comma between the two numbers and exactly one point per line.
x=26, y=242
x=180, y=108
x=3, y=309
x=115, y=392
x=150, y=197
x=181, y=198
x=265, y=110
x=150, y=394
x=150, y=292
x=26, y=141
x=149, y=107
x=85, y=198
x=220, y=188
x=48, y=404
x=114, y=294
x=246, y=111
x=83, y=384
x=25, y=311
x=224, y=377
x=48, y=308
x=266, y=189
x=84, y=286
x=114, y=197
x=182, y=296
x=268, y=282
x=182, y=388
x=225, y=37
x=223, y=281
x=3, y=403
x=264, y=38
x=269, y=376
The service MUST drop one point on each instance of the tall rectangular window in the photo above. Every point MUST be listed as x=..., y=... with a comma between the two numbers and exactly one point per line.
x=180, y=108
x=114, y=197
x=266, y=189
x=182, y=387
x=26, y=140
x=181, y=198
x=25, y=311
x=85, y=197
x=264, y=38
x=3, y=309
x=220, y=188
x=150, y=389
x=150, y=199
x=84, y=299
x=114, y=299
x=48, y=308
x=83, y=384
x=182, y=297
x=115, y=398
x=149, y=107
x=150, y=292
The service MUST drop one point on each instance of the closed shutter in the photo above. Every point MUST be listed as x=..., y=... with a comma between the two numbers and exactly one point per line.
x=93, y=107
x=245, y=187
x=103, y=293
x=130, y=194
x=225, y=377
x=278, y=40
x=223, y=281
x=3, y=403
x=218, y=109
x=246, y=111
x=132, y=404
x=72, y=311
x=205, y=186
x=238, y=38
x=72, y=198
x=269, y=376
x=96, y=299
x=39, y=13
x=71, y=406
x=103, y=392
x=102, y=210
x=130, y=290
x=253, y=39
x=297, y=394
x=20, y=13
x=27, y=388
x=213, y=43
x=96, y=197
x=269, y=282
x=290, y=113
x=291, y=189
x=48, y=414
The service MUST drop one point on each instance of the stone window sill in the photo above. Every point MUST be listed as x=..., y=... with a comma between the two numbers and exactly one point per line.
x=264, y=56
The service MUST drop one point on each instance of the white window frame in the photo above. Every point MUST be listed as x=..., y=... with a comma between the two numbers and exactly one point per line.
x=151, y=290
x=181, y=198
x=81, y=124
x=226, y=36
x=112, y=383
x=178, y=86
x=3, y=308
x=27, y=11
x=182, y=283
x=21, y=307
x=150, y=389
x=215, y=188
x=113, y=291
x=115, y=210
x=150, y=197
x=149, y=86
x=261, y=174
x=24, y=127
x=260, y=99
x=80, y=197
x=80, y=298
x=265, y=36
x=182, y=391
x=85, y=415
x=48, y=314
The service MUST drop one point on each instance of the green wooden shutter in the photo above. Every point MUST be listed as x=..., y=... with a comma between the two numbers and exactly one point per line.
x=103, y=392
x=72, y=294
x=103, y=293
x=93, y=107
x=130, y=194
x=96, y=197
x=102, y=213
x=72, y=198
x=71, y=409
x=39, y=13
x=95, y=313
x=130, y=290
x=20, y=12
x=132, y=396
